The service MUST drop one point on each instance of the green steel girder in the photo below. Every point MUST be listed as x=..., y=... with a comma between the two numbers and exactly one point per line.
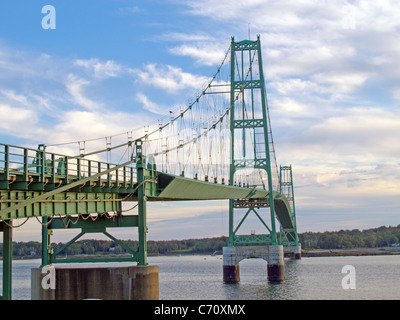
x=245, y=45
x=287, y=191
x=251, y=209
x=251, y=163
x=288, y=237
x=132, y=258
x=252, y=238
x=99, y=224
x=64, y=203
x=248, y=123
x=247, y=84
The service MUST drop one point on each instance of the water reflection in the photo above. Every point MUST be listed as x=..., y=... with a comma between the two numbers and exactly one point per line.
x=254, y=284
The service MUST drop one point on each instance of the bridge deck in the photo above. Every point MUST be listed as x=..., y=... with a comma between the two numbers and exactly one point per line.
x=176, y=188
x=38, y=183
x=90, y=195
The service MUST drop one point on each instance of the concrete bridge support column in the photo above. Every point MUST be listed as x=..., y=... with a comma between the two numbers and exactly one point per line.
x=106, y=283
x=297, y=252
x=293, y=251
x=276, y=265
x=230, y=265
x=273, y=255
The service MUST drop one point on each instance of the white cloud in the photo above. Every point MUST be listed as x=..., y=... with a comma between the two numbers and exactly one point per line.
x=74, y=86
x=302, y=39
x=46, y=102
x=396, y=93
x=184, y=37
x=19, y=122
x=352, y=137
x=288, y=107
x=12, y=117
x=341, y=82
x=204, y=48
x=170, y=78
x=19, y=98
x=101, y=70
x=151, y=106
x=294, y=86
x=97, y=126
x=360, y=131
x=205, y=54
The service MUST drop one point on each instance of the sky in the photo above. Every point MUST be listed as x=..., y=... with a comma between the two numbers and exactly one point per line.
x=332, y=77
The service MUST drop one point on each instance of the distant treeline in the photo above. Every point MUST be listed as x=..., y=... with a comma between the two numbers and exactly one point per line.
x=101, y=247
x=377, y=237
x=369, y=238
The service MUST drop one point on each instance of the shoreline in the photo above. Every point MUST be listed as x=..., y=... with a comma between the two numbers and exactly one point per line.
x=304, y=253
x=351, y=252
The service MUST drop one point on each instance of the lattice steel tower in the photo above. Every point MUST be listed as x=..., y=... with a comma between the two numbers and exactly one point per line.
x=252, y=152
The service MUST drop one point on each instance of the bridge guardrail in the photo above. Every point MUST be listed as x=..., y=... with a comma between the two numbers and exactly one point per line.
x=35, y=169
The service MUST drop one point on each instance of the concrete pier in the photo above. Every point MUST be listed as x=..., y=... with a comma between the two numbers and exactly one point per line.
x=293, y=251
x=276, y=264
x=297, y=252
x=230, y=265
x=273, y=255
x=107, y=283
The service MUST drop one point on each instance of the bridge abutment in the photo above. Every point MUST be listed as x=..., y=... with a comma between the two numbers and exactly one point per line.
x=106, y=283
x=273, y=255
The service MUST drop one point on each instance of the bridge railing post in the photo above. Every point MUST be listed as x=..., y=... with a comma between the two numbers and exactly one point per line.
x=142, y=226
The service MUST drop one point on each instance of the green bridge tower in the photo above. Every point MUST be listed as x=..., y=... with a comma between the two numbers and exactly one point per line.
x=248, y=86
x=252, y=152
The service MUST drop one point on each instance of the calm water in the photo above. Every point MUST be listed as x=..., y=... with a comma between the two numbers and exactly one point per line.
x=200, y=277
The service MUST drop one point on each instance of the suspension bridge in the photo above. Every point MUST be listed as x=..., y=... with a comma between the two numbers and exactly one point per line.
x=219, y=146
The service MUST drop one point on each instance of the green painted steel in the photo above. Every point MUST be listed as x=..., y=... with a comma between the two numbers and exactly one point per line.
x=63, y=203
x=251, y=239
x=76, y=184
x=142, y=223
x=99, y=224
x=6, y=228
x=66, y=190
x=288, y=232
x=37, y=170
x=249, y=119
x=181, y=188
x=46, y=243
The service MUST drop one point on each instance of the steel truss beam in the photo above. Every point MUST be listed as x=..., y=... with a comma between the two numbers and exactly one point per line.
x=97, y=225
